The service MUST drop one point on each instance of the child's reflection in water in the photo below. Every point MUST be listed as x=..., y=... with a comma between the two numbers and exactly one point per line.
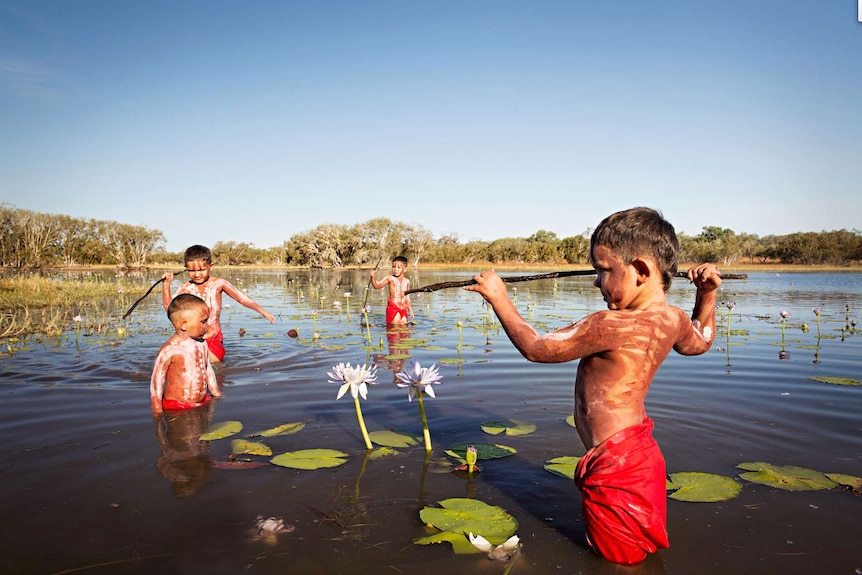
x=184, y=460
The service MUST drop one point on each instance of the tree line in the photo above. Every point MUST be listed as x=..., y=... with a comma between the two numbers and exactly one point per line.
x=36, y=240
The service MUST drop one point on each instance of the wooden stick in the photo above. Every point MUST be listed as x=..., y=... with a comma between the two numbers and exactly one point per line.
x=143, y=297
x=444, y=285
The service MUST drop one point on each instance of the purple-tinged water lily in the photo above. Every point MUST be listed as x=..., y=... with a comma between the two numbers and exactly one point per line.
x=419, y=379
x=730, y=305
x=784, y=313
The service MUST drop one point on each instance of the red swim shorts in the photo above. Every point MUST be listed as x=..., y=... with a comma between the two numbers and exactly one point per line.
x=623, y=488
x=178, y=404
x=392, y=310
x=216, y=345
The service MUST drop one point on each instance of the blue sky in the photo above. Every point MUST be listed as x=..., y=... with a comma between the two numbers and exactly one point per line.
x=252, y=121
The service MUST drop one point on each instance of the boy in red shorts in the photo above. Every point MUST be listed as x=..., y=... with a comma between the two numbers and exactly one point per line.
x=198, y=265
x=182, y=373
x=622, y=476
x=398, y=307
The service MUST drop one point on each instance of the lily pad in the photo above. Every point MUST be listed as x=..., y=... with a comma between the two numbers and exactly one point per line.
x=563, y=466
x=452, y=360
x=483, y=451
x=460, y=544
x=835, y=380
x=389, y=438
x=461, y=515
x=243, y=446
x=508, y=426
x=310, y=459
x=850, y=481
x=694, y=486
x=789, y=477
x=222, y=430
x=285, y=429
x=382, y=452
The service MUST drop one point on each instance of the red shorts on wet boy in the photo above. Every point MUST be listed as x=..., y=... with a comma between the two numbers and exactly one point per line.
x=622, y=484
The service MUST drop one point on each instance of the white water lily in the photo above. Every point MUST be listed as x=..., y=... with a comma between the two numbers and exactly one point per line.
x=419, y=379
x=502, y=552
x=356, y=379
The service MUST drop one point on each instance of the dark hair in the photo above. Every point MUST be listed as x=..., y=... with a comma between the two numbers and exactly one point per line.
x=401, y=259
x=198, y=252
x=640, y=232
x=185, y=302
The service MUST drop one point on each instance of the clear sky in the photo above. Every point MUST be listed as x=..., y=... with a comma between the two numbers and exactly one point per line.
x=251, y=121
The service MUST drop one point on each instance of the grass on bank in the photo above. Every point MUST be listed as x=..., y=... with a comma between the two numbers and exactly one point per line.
x=44, y=305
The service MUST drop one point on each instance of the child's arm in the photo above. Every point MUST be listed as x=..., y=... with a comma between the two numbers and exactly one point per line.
x=212, y=384
x=380, y=284
x=705, y=277
x=242, y=298
x=166, y=289
x=157, y=381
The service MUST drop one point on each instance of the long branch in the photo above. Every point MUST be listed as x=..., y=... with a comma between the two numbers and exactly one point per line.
x=512, y=279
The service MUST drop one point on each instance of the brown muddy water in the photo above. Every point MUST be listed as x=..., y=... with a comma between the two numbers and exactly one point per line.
x=92, y=484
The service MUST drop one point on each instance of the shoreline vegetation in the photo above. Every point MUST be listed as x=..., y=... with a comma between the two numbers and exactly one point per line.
x=36, y=304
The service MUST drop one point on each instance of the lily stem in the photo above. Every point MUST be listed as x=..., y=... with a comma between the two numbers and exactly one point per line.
x=362, y=424
x=425, y=432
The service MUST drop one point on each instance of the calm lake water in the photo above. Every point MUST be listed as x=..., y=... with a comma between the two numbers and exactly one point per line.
x=91, y=484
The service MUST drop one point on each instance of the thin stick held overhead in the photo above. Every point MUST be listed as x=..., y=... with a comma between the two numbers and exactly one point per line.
x=563, y=274
x=143, y=297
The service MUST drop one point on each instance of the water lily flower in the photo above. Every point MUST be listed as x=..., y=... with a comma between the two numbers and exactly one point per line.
x=471, y=456
x=78, y=319
x=817, y=311
x=502, y=552
x=419, y=379
x=785, y=314
x=356, y=379
x=730, y=305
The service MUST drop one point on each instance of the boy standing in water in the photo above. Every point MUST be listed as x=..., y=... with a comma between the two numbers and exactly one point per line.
x=182, y=373
x=622, y=476
x=398, y=307
x=198, y=265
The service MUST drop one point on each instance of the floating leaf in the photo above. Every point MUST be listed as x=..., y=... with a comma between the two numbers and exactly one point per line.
x=244, y=446
x=694, y=486
x=483, y=451
x=452, y=360
x=221, y=464
x=850, y=481
x=508, y=426
x=460, y=544
x=396, y=356
x=563, y=466
x=835, y=380
x=222, y=430
x=789, y=477
x=310, y=459
x=461, y=515
x=285, y=429
x=389, y=438
x=382, y=452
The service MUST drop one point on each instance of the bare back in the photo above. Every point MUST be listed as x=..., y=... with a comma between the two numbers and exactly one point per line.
x=620, y=352
x=182, y=371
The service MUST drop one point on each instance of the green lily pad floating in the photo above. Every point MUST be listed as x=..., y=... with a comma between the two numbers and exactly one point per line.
x=310, y=459
x=389, y=438
x=851, y=482
x=508, y=426
x=382, y=452
x=460, y=544
x=462, y=516
x=484, y=451
x=789, y=477
x=563, y=466
x=332, y=347
x=397, y=356
x=285, y=429
x=571, y=421
x=699, y=487
x=433, y=348
x=452, y=360
x=245, y=447
x=222, y=430
x=835, y=380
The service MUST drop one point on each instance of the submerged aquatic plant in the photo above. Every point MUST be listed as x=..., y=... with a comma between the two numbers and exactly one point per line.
x=356, y=379
x=420, y=380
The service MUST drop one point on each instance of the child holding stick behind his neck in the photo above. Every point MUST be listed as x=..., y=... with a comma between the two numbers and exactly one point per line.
x=622, y=476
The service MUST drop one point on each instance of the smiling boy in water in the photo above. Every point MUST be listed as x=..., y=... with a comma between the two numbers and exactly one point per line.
x=622, y=476
x=398, y=306
x=198, y=265
x=182, y=373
